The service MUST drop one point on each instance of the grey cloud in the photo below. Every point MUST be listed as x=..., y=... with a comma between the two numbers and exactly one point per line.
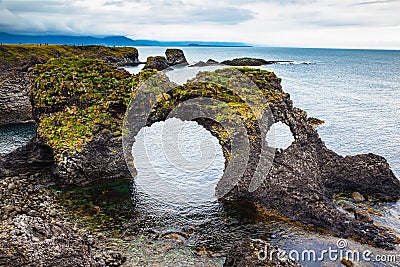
x=228, y=15
x=49, y=6
x=50, y=15
x=376, y=2
x=114, y=3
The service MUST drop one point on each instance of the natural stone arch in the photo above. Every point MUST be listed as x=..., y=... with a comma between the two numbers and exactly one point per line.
x=304, y=176
x=300, y=185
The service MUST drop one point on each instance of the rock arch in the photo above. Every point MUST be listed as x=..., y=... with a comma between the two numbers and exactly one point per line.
x=299, y=184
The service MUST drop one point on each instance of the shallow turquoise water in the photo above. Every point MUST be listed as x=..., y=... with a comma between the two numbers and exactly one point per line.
x=14, y=136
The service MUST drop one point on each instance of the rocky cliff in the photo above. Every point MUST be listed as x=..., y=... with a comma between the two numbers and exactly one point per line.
x=175, y=57
x=16, y=60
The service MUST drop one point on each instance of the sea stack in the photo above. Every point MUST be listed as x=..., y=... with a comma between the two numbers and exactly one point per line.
x=175, y=57
x=158, y=62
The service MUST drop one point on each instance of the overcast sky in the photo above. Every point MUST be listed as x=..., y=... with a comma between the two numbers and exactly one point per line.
x=302, y=23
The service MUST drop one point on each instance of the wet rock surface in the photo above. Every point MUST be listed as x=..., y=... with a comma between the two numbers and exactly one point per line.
x=35, y=230
x=175, y=57
x=255, y=253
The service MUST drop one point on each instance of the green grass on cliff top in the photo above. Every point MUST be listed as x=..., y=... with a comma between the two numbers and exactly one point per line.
x=75, y=97
x=17, y=55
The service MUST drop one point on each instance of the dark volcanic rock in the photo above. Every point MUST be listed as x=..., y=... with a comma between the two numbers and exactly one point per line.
x=257, y=253
x=212, y=61
x=246, y=61
x=101, y=158
x=35, y=157
x=130, y=59
x=209, y=62
x=304, y=177
x=34, y=231
x=36, y=242
x=158, y=62
x=175, y=57
x=199, y=64
x=15, y=106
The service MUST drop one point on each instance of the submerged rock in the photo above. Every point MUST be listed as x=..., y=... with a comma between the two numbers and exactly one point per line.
x=175, y=57
x=257, y=253
x=357, y=197
x=158, y=63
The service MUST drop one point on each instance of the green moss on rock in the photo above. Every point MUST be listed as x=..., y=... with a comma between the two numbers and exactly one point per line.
x=20, y=55
x=75, y=97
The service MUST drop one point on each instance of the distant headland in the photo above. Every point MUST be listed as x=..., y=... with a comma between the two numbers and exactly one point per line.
x=7, y=38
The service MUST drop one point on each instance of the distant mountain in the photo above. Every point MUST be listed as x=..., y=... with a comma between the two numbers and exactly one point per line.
x=7, y=38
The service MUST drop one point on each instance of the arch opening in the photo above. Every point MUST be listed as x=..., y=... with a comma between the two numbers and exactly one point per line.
x=178, y=163
x=280, y=136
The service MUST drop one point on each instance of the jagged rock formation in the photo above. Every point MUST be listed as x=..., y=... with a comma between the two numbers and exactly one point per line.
x=34, y=231
x=246, y=61
x=158, y=63
x=175, y=57
x=209, y=62
x=35, y=242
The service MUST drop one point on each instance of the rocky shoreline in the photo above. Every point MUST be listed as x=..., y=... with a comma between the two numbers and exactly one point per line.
x=79, y=142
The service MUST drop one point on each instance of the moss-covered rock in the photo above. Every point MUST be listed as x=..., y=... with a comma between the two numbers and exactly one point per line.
x=16, y=60
x=79, y=105
x=25, y=56
x=156, y=63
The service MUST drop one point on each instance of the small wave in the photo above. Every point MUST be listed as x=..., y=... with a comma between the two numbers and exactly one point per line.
x=296, y=63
